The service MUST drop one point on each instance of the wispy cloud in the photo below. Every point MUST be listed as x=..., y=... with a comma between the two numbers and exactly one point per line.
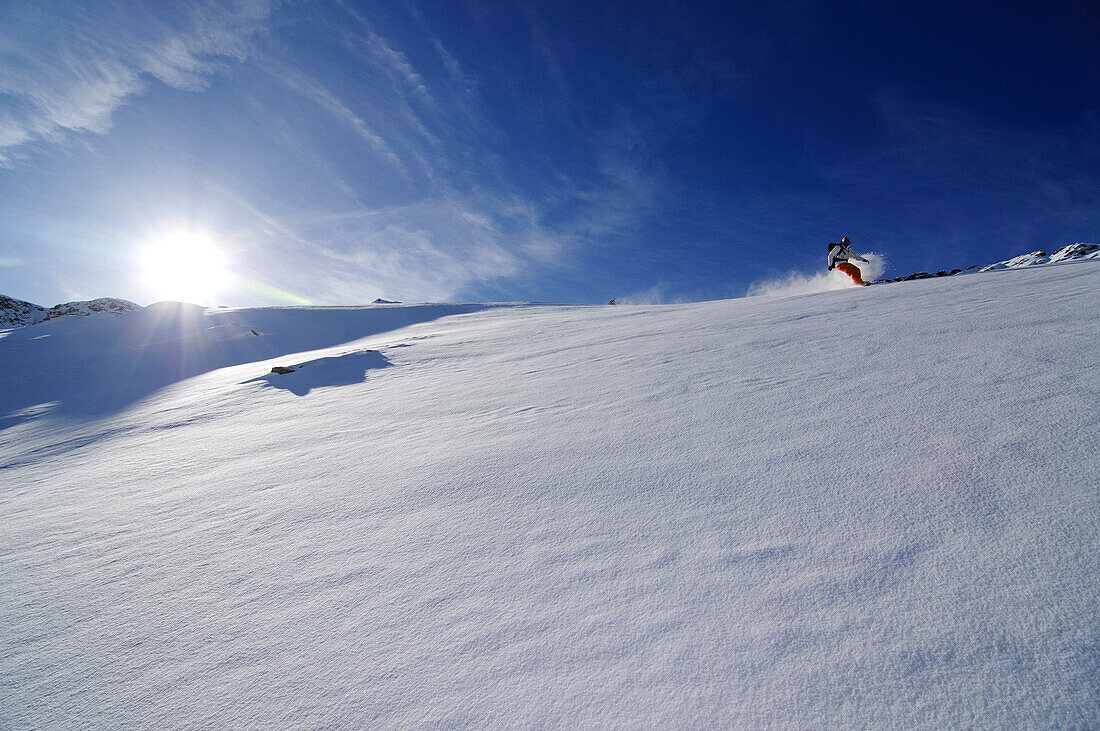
x=427, y=251
x=464, y=81
x=477, y=220
x=437, y=248
x=328, y=101
x=413, y=184
x=68, y=66
x=387, y=55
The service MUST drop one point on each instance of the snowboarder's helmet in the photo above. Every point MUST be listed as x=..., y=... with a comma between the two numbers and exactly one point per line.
x=845, y=240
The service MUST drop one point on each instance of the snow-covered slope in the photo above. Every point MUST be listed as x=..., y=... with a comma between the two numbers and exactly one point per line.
x=17, y=313
x=98, y=367
x=869, y=507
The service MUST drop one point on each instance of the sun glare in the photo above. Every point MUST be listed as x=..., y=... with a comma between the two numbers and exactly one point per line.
x=185, y=266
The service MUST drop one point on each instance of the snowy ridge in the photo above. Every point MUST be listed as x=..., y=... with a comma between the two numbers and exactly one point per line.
x=1066, y=253
x=17, y=313
x=874, y=507
x=1034, y=258
x=89, y=308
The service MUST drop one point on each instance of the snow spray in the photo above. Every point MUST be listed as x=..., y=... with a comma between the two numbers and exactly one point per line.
x=794, y=283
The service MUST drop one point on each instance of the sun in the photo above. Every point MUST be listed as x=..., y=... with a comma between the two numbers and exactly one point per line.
x=186, y=266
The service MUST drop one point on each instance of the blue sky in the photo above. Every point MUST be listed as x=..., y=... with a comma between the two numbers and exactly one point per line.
x=335, y=151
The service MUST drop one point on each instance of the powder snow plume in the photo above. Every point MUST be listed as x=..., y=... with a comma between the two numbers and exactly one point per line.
x=794, y=283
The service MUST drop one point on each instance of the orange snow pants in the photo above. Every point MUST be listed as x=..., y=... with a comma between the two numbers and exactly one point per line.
x=851, y=270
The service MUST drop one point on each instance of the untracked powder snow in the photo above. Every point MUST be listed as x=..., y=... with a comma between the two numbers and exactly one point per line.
x=872, y=507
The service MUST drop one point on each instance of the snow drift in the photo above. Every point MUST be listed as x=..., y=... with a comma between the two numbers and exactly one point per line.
x=871, y=507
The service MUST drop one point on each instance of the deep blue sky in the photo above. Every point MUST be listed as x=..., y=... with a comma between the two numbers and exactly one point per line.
x=339, y=151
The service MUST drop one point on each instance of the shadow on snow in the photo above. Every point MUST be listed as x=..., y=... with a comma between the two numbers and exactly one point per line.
x=339, y=370
x=98, y=366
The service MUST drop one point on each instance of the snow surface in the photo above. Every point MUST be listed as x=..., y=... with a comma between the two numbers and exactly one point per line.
x=869, y=507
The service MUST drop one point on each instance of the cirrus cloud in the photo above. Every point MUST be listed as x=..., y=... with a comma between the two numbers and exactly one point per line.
x=68, y=67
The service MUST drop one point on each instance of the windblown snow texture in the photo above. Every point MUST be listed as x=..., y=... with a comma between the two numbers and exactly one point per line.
x=869, y=507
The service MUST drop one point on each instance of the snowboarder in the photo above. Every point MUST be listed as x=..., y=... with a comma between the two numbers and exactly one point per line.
x=839, y=254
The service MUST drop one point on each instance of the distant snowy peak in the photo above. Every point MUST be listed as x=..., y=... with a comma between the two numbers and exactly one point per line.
x=1066, y=253
x=17, y=313
x=101, y=306
x=1076, y=251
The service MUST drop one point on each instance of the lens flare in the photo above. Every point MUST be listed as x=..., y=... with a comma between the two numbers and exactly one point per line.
x=186, y=266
